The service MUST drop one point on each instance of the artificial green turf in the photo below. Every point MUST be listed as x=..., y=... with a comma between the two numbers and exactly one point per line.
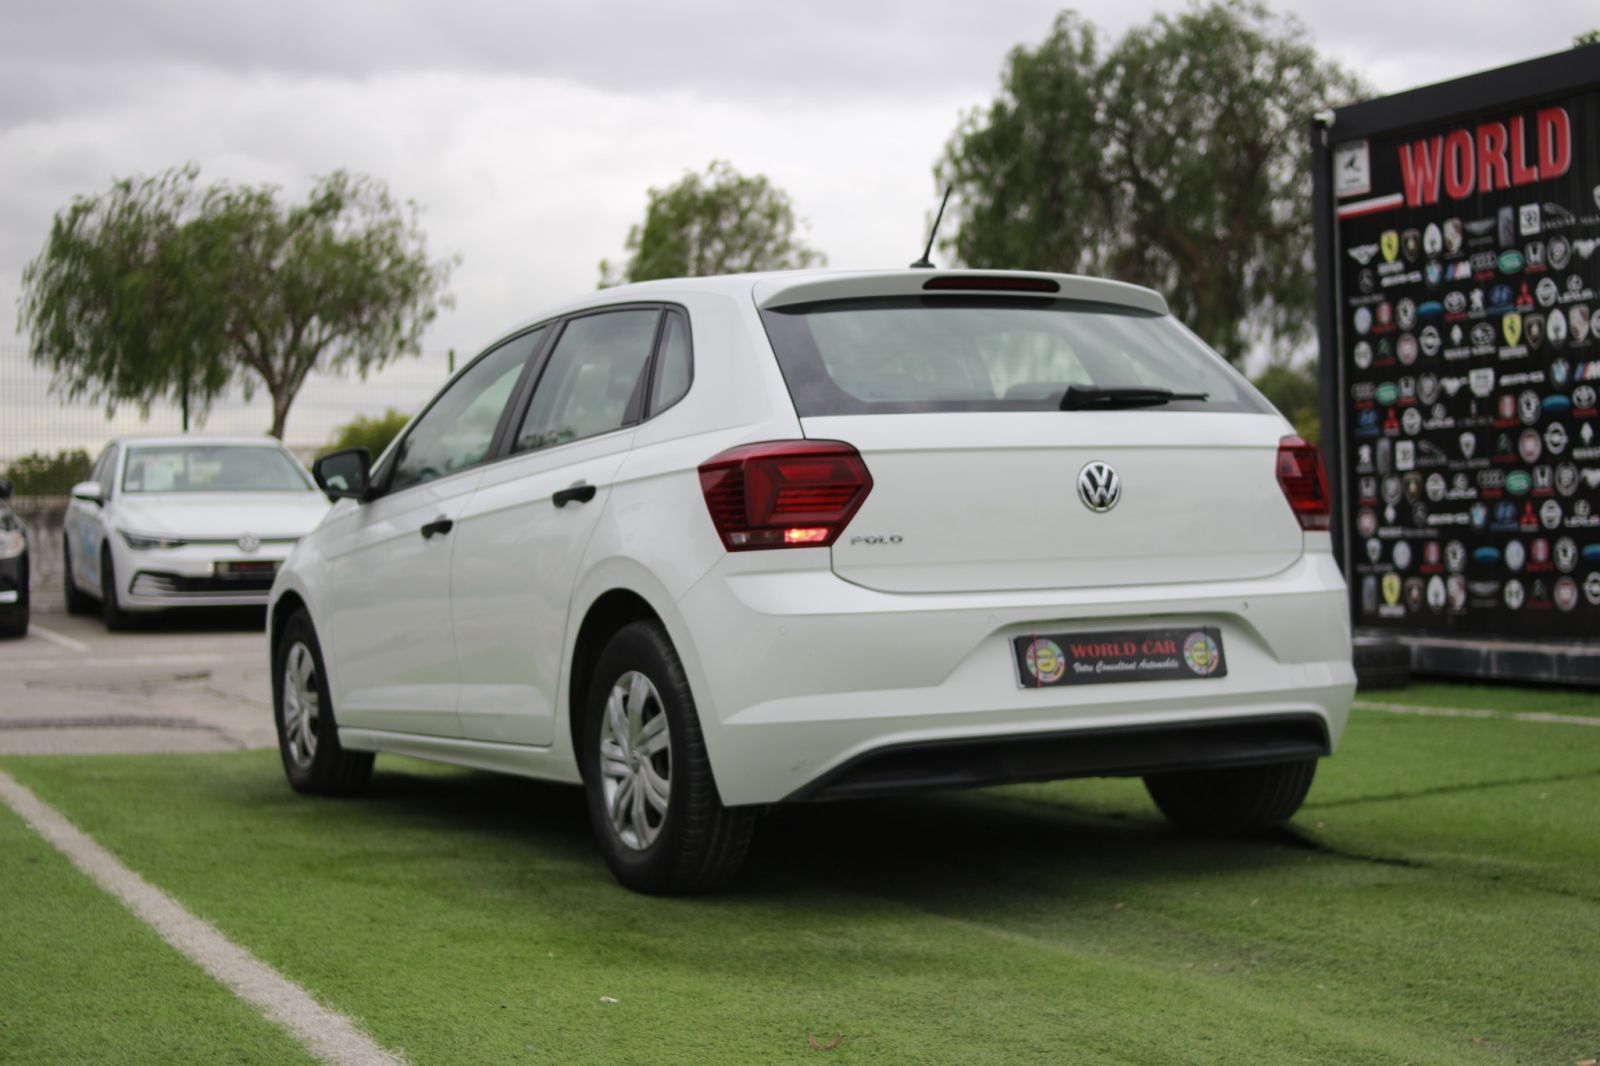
x=1516, y=699
x=82, y=980
x=1437, y=901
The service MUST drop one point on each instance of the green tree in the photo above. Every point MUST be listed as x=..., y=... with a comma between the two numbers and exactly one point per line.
x=160, y=289
x=1177, y=159
x=718, y=223
x=38, y=474
x=1293, y=391
x=373, y=434
x=1586, y=37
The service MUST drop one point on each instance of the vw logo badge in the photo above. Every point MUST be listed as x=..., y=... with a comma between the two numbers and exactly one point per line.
x=1099, y=487
x=249, y=542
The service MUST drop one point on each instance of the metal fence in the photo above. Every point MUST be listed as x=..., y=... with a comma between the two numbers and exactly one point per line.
x=35, y=419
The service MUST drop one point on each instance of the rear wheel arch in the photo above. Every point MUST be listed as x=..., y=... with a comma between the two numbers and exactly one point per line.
x=606, y=616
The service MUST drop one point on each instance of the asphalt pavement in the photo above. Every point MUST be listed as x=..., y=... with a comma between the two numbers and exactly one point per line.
x=184, y=682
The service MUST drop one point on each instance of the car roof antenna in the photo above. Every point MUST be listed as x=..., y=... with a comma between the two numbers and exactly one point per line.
x=925, y=263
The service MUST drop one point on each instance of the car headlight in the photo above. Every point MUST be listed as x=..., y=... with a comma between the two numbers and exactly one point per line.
x=13, y=542
x=141, y=543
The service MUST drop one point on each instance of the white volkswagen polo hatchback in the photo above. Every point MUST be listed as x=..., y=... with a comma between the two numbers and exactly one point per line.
x=705, y=545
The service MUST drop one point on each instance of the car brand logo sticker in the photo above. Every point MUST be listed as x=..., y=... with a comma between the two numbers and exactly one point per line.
x=1200, y=653
x=1391, y=589
x=1514, y=594
x=1045, y=661
x=1411, y=245
x=1363, y=253
x=1528, y=406
x=1566, y=554
x=1452, y=236
x=1405, y=313
x=1518, y=483
x=1389, y=243
x=1591, y=588
x=1455, y=556
x=1529, y=446
x=1511, y=326
x=1555, y=438
x=1566, y=593
x=1555, y=328
x=1099, y=487
x=1510, y=262
x=1516, y=555
x=1433, y=239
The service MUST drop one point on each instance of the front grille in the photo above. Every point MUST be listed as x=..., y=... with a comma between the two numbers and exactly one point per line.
x=150, y=583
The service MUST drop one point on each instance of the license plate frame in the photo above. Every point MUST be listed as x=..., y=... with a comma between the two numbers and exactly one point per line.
x=1103, y=657
x=250, y=568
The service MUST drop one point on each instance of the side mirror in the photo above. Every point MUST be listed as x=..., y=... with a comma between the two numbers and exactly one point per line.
x=5, y=489
x=89, y=492
x=344, y=474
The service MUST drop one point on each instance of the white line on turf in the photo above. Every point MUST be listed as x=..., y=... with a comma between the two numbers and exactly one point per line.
x=328, y=1035
x=57, y=638
x=1467, y=712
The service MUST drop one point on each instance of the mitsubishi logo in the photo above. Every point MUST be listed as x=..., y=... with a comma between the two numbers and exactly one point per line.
x=1099, y=487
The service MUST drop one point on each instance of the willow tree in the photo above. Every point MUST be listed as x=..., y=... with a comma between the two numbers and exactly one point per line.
x=1176, y=158
x=160, y=289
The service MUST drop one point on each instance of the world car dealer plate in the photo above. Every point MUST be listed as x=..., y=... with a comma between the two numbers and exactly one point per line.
x=1048, y=659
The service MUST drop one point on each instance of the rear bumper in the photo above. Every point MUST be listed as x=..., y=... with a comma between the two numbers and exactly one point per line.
x=1125, y=751
x=811, y=687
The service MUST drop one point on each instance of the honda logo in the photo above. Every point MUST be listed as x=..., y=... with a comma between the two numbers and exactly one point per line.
x=1099, y=487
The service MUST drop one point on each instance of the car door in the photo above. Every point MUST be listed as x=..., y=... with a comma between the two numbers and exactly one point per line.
x=388, y=602
x=85, y=523
x=522, y=536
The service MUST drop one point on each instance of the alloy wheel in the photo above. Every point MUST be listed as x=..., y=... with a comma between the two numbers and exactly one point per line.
x=302, y=704
x=635, y=760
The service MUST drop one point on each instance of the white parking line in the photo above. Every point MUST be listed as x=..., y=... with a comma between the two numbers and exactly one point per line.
x=1468, y=712
x=56, y=638
x=328, y=1035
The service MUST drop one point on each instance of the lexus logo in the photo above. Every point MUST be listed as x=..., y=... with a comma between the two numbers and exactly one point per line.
x=1098, y=486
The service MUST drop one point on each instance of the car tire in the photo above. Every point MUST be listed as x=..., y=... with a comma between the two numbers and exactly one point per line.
x=111, y=612
x=308, y=736
x=15, y=622
x=1381, y=662
x=78, y=601
x=1233, y=801
x=672, y=840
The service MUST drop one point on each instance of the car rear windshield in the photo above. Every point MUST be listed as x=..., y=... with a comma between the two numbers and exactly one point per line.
x=951, y=353
x=211, y=468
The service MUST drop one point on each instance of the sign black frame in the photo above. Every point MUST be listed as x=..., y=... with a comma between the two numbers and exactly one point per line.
x=1462, y=101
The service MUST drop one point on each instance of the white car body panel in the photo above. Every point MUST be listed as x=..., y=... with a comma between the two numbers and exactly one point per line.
x=802, y=659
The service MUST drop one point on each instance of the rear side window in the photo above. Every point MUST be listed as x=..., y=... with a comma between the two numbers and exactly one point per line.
x=671, y=380
x=588, y=385
x=925, y=353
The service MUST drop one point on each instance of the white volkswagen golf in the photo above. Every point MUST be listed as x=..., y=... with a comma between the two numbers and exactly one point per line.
x=706, y=545
x=168, y=522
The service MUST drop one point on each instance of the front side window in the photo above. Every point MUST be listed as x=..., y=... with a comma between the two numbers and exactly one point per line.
x=458, y=430
x=588, y=386
x=927, y=353
x=211, y=468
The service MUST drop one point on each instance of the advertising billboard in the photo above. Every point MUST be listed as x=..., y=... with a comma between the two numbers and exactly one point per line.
x=1459, y=248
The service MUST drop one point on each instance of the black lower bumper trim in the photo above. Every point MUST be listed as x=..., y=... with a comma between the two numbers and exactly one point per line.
x=1127, y=751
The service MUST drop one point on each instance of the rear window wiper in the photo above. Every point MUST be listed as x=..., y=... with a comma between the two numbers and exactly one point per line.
x=1083, y=398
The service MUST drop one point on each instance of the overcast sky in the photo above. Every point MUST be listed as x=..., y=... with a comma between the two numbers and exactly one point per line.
x=529, y=132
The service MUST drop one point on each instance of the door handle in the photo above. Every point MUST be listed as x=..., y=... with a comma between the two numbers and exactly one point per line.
x=582, y=492
x=439, y=525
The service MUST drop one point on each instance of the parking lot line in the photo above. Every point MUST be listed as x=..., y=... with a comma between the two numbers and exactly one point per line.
x=57, y=638
x=326, y=1034
x=1469, y=712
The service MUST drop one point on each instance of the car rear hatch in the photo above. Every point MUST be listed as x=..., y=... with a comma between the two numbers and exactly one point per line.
x=980, y=481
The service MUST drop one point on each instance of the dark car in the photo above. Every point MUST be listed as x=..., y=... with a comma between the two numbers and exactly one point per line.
x=13, y=569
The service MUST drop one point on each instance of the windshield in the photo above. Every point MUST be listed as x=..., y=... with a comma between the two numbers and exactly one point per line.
x=212, y=468
x=928, y=353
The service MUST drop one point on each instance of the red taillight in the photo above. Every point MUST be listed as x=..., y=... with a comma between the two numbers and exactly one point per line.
x=1304, y=484
x=784, y=494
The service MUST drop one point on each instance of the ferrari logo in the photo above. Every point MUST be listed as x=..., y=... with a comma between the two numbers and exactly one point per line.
x=1511, y=326
x=1391, y=589
x=1389, y=244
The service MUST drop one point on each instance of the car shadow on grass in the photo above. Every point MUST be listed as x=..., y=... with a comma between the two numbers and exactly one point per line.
x=935, y=850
